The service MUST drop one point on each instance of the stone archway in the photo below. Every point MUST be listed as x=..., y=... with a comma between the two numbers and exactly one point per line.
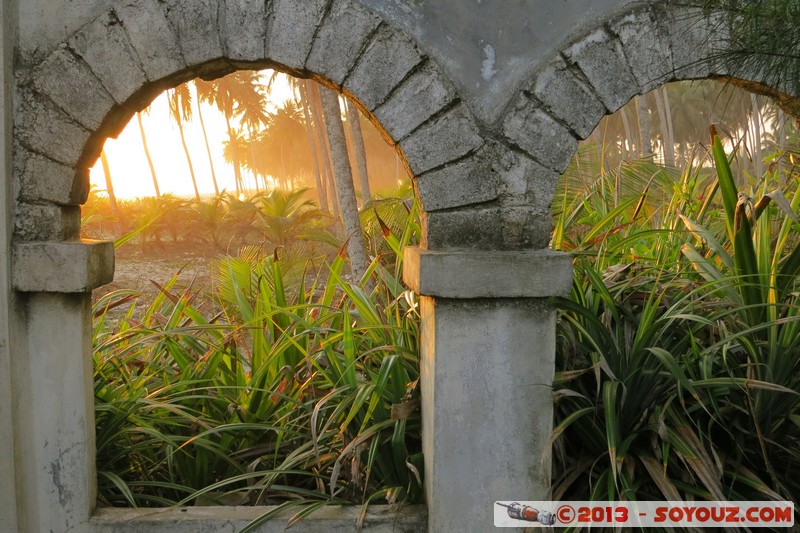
x=85, y=91
x=630, y=55
x=90, y=86
x=486, y=186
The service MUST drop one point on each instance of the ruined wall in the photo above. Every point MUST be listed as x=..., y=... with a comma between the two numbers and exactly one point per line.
x=485, y=99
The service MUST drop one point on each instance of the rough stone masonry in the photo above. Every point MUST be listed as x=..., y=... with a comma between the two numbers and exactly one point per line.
x=486, y=101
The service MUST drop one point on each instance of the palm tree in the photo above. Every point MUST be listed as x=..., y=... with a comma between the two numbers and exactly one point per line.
x=280, y=149
x=344, y=183
x=321, y=193
x=237, y=96
x=358, y=147
x=668, y=136
x=112, y=199
x=286, y=216
x=643, y=116
x=180, y=109
x=208, y=147
x=232, y=149
x=147, y=152
x=325, y=150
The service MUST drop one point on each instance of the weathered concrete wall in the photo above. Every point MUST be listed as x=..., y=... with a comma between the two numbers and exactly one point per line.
x=487, y=156
x=490, y=47
x=488, y=61
x=8, y=511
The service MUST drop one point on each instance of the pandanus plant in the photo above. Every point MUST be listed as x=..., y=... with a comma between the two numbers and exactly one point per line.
x=756, y=270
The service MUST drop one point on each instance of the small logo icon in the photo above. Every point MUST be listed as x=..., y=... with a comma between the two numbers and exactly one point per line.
x=566, y=514
x=529, y=514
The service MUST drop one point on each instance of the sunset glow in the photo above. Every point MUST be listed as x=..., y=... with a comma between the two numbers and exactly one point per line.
x=130, y=173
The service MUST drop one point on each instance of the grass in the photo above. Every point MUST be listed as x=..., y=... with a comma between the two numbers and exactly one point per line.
x=678, y=350
x=295, y=391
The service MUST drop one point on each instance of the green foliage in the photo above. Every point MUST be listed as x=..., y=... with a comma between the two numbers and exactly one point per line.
x=279, y=218
x=764, y=39
x=679, y=369
x=303, y=387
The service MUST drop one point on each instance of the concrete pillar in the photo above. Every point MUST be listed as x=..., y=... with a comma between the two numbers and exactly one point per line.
x=51, y=387
x=54, y=415
x=487, y=364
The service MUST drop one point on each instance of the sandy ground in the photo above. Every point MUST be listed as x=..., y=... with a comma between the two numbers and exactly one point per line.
x=138, y=267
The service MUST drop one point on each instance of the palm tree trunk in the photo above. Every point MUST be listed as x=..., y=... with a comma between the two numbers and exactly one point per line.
x=667, y=139
x=324, y=143
x=208, y=147
x=670, y=130
x=323, y=201
x=189, y=162
x=683, y=153
x=147, y=155
x=643, y=116
x=358, y=148
x=344, y=183
x=628, y=134
x=237, y=172
x=757, y=128
x=112, y=199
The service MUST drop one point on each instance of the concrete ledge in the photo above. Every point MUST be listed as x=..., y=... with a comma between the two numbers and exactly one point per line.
x=62, y=267
x=467, y=274
x=333, y=519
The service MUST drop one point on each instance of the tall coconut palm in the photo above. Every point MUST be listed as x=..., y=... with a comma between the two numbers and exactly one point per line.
x=358, y=147
x=321, y=193
x=234, y=148
x=281, y=149
x=324, y=143
x=665, y=116
x=112, y=198
x=180, y=109
x=237, y=96
x=147, y=152
x=286, y=128
x=344, y=183
x=643, y=118
x=208, y=147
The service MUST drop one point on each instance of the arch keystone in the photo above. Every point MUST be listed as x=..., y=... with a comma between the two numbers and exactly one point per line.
x=692, y=42
x=152, y=37
x=291, y=30
x=196, y=29
x=244, y=29
x=340, y=40
x=646, y=46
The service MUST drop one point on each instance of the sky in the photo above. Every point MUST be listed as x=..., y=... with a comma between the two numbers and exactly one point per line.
x=130, y=173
